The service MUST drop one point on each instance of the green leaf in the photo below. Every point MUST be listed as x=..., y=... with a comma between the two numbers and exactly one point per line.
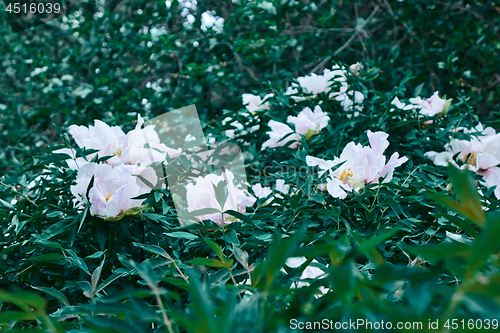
x=486, y=244
x=47, y=257
x=24, y=297
x=214, y=247
x=418, y=89
x=180, y=283
x=54, y=293
x=181, y=234
x=147, y=183
x=441, y=251
x=9, y=316
x=77, y=261
x=110, y=280
x=84, y=215
x=96, y=255
x=204, y=309
x=238, y=215
x=276, y=257
x=200, y=212
x=96, y=275
x=221, y=192
x=335, y=211
x=462, y=224
x=206, y=262
x=369, y=247
x=56, y=229
x=155, y=249
x=158, y=196
x=241, y=256
x=466, y=189
x=469, y=204
x=7, y=205
x=148, y=274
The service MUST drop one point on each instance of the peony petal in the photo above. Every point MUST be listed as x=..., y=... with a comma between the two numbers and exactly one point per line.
x=295, y=262
x=324, y=165
x=334, y=187
x=486, y=160
x=388, y=170
x=492, y=178
x=378, y=141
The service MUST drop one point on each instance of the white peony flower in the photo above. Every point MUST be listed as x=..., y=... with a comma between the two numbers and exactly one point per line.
x=351, y=100
x=267, y=6
x=322, y=164
x=277, y=136
x=231, y=133
x=107, y=139
x=316, y=84
x=311, y=84
x=261, y=192
x=264, y=192
x=307, y=123
x=481, y=154
x=135, y=147
x=254, y=103
x=141, y=146
x=346, y=97
x=355, y=69
x=120, y=178
x=400, y=105
x=479, y=129
x=361, y=166
x=433, y=105
x=201, y=194
x=309, y=273
x=282, y=187
x=112, y=191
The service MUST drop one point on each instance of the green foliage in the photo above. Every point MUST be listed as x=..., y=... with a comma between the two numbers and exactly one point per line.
x=409, y=250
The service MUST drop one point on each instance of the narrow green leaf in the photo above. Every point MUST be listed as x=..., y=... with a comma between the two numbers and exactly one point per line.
x=96, y=274
x=180, y=283
x=154, y=249
x=77, y=261
x=47, y=257
x=214, y=247
x=54, y=293
x=206, y=262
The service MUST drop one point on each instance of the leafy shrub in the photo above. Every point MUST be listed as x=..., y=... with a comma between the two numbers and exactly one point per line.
x=416, y=248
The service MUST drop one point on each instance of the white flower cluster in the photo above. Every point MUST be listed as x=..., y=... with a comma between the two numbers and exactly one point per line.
x=360, y=166
x=201, y=194
x=480, y=154
x=264, y=192
x=114, y=181
x=307, y=122
x=255, y=103
x=432, y=106
x=316, y=84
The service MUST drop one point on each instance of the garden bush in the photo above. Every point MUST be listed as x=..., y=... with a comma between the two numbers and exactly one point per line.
x=368, y=136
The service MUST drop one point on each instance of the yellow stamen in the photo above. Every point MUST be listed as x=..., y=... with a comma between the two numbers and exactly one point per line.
x=107, y=198
x=344, y=176
x=471, y=158
x=118, y=152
